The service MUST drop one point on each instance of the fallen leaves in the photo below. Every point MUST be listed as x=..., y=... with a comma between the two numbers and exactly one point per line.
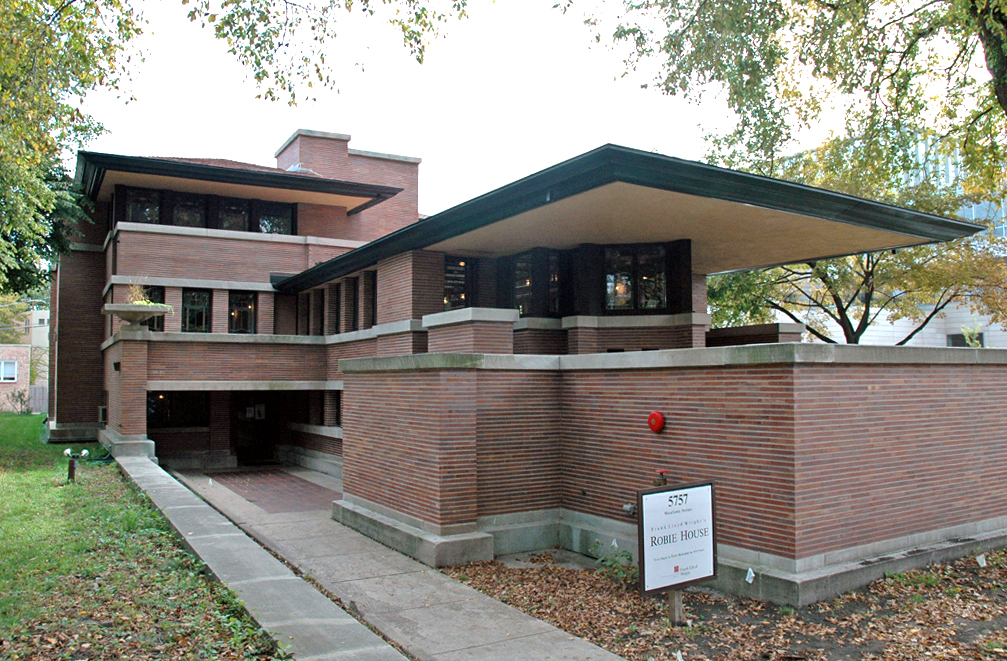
x=953, y=611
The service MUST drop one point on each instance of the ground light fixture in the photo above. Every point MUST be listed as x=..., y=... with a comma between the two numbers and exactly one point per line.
x=71, y=469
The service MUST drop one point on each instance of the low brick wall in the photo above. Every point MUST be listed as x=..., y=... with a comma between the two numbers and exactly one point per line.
x=814, y=449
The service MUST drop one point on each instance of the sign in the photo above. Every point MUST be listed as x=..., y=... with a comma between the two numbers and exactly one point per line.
x=678, y=544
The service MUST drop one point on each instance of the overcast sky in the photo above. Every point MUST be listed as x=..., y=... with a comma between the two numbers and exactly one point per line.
x=512, y=89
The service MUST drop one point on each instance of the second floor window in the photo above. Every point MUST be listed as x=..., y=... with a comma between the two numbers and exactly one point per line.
x=241, y=312
x=635, y=278
x=196, y=310
x=154, y=295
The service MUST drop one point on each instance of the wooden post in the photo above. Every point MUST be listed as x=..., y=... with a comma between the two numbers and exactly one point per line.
x=676, y=612
x=71, y=470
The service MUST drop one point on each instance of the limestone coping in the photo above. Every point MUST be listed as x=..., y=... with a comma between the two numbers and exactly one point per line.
x=231, y=234
x=470, y=315
x=752, y=354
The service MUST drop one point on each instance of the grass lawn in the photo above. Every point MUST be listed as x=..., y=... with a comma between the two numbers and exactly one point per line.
x=90, y=570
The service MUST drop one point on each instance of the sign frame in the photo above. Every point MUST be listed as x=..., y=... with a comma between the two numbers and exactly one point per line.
x=641, y=536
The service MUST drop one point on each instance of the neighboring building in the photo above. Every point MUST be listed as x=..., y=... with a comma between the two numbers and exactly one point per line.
x=14, y=375
x=36, y=329
x=481, y=378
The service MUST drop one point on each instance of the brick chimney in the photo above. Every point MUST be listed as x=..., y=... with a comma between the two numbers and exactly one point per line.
x=325, y=153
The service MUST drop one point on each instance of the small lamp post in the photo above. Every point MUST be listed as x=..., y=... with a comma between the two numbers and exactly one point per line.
x=71, y=469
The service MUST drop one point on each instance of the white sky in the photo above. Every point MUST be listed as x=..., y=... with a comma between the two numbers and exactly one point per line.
x=514, y=88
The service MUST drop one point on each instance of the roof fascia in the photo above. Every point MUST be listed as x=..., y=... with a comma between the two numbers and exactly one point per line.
x=611, y=163
x=91, y=168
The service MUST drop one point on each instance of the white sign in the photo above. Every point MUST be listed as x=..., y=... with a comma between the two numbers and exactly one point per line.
x=677, y=542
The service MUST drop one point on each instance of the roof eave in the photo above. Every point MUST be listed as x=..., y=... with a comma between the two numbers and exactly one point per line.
x=91, y=168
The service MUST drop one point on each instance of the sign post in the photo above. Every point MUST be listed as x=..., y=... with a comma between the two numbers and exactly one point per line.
x=677, y=538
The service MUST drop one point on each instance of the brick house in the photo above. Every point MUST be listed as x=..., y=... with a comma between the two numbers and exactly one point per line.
x=481, y=378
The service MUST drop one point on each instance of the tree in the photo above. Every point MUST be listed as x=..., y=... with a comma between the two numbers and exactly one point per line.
x=917, y=283
x=13, y=318
x=54, y=52
x=917, y=91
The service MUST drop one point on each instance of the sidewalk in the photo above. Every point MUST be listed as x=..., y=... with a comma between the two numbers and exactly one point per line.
x=430, y=615
x=300, y=618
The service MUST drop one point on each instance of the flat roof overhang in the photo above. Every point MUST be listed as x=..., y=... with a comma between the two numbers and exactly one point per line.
x=99, y=173
x=616, y=195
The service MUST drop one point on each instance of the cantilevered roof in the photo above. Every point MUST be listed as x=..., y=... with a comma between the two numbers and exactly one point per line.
x=99, y=173
x=614, y=195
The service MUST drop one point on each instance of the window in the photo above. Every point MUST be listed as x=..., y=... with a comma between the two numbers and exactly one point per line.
x=635, y=278
x=241, y=312
x=233, y=215
x=959, y=340
x=189, y=210
x=42, y=321
x=154, y=295
x=275, y=218
x=178, y=409
x=143, y=205
x=196, y=310
x=8, y=370
x=523, y=283
x=457, y=292
x=353, y=304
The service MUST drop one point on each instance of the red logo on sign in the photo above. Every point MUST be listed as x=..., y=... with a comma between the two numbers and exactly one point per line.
x=676, y=569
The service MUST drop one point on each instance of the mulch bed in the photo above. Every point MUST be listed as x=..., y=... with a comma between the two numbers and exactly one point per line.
x=952, y=611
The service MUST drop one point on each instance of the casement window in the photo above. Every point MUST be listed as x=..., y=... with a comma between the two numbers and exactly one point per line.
x=459, y=282
x=196, y=310
x=188, y=210
x=635, y=278
x=532, y=280
x=154, y=295
x=178, y=409
x=275, y=218
x=241, y=312
x=142, y=205
x=145, y=205
x=8, y=370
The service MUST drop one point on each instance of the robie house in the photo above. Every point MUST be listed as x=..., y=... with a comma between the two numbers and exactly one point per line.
x=481, y=379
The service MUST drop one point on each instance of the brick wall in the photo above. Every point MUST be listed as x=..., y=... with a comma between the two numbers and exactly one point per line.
x=893, y=450
x=344, y=350
x=402, y=344
x=410, y=285
x=326, y=444
x=413, y=446
x=20, y=354
x=540, y=341
x=472, y=337
x=216, y=361
x=265, y=313
x=78, y=331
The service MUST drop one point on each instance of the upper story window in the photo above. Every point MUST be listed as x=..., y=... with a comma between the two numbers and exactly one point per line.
x=144, y=205
x=188, y=210
x=275, y=218
x=635, y=278
x=241, y=312
x=154, y=295
x=458, y=282
x=196, y=310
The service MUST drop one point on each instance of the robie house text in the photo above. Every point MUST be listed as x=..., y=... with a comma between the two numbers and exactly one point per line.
x=681, y=536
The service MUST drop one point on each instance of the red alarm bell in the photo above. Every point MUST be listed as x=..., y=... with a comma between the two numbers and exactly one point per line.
x=656, y=421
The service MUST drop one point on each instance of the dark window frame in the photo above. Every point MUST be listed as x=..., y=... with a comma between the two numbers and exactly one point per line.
x=467, y=266
x=178, y=409
x=236, y=314
x=208, y=324
x=257, y=209
x=154, y=294
x=635, y=249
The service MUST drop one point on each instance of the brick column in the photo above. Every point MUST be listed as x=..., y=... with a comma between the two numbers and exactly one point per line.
x=219, y=314
x=173, y=320
x=220, y=423
x=264, y=313
x=367, y=281
x=133, y=387
x=471, y=330
x=332, y=403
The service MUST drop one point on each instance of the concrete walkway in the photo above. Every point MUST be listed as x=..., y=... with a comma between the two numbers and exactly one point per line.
x=301, y=619
x=430, y=615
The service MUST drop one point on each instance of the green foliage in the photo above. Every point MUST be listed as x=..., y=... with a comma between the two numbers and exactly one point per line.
x=93, y=565
x=617, y=566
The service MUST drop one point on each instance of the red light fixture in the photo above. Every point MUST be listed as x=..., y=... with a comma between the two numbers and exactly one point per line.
x=655, y=421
